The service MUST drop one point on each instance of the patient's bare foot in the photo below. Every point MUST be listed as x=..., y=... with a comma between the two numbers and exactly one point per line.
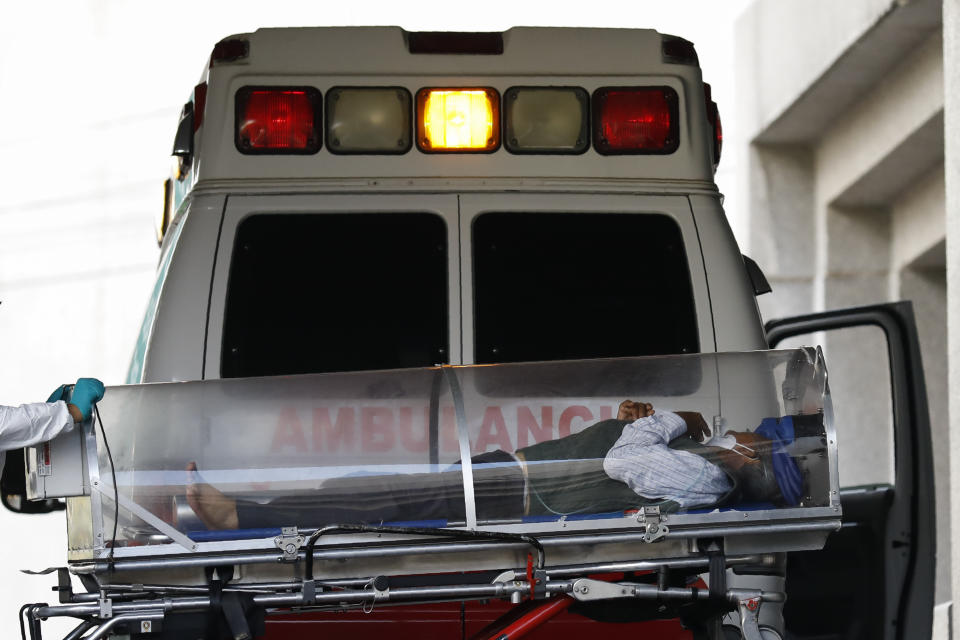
x=214, y=509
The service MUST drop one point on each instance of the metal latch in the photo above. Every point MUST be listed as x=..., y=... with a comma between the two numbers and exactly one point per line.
x=106, y=607
x=289, y=542
x=149, y=626
x=587, y=589
x=64, y=586
x=381, y=588
x=652, y=517
x=309, y=592
x=750, y=618
x=539, y=584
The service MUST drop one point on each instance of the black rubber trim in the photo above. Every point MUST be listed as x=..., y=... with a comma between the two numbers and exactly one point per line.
x=676, y=50
x=483, y=43
x=757, y=279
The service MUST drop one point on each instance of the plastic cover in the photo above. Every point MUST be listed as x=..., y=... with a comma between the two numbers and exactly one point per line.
x=528, y=444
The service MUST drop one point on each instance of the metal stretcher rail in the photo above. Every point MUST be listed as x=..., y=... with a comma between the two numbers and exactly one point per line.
x=409, y=595
x=120, y=565
x=553, y=572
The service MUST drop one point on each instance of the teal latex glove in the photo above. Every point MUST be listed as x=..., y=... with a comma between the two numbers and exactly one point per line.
x=57, y=393
x=86, y=393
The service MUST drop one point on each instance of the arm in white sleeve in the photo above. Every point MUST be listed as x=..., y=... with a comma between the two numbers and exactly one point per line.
x=31, y=424
x=642, y=460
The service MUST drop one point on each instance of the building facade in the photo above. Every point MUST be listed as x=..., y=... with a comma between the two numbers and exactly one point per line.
x=842, y=109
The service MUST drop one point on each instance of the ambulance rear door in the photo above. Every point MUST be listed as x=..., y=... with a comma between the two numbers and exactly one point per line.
x=553, y=276
x=875, y=577
x=319, y=282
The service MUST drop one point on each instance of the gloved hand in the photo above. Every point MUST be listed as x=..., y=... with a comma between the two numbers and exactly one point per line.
x=86, y=393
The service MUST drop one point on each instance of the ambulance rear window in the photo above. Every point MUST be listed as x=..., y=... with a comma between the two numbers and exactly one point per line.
x=313, y=293
x=553, y=286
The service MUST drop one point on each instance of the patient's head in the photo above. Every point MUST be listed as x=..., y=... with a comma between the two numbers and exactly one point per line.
x=751, y=462
x=746, y=450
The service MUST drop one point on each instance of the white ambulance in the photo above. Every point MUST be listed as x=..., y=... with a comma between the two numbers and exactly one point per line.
x=366, y=199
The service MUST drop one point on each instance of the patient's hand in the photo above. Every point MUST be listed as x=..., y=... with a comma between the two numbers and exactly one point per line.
x=696, y=426
x=630, y=410
x=214, y=509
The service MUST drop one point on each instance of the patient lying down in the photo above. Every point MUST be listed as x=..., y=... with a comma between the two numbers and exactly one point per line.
x=641, y=457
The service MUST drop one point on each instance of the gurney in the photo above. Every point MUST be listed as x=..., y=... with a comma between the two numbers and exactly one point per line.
x=483, y=515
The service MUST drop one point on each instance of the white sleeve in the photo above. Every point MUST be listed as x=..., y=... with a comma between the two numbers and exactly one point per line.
x=30, y=424
x=642, y=460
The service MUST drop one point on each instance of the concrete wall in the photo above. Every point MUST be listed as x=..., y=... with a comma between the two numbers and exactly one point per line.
x=843, y=110
x=951, y=76
x=785, y=46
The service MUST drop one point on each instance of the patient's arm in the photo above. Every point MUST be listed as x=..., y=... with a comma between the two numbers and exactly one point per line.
x=631, y=411
x=696, y=426
x=644, y=461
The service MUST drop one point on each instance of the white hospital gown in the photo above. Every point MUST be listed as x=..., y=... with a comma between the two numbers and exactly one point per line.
x=642, y=460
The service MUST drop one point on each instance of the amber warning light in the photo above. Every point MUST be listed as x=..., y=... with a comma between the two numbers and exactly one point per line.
x=458, y=120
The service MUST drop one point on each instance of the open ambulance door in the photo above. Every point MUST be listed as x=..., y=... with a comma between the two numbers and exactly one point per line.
x=875, y=577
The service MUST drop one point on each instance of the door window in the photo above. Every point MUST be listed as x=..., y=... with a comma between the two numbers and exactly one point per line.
x=552, y=286
x=312, y=293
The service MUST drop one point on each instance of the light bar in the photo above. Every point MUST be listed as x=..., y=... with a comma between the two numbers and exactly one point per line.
x=278, y=120
x=635, y=120
x=546, y=120
x=368, y=120
x=458, y=120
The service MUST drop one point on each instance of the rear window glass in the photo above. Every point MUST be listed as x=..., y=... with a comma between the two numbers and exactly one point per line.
x=551, y=286
x=312, y=293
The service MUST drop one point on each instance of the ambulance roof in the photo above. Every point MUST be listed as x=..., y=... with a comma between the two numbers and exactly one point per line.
x=526, y=51
x=327, y=57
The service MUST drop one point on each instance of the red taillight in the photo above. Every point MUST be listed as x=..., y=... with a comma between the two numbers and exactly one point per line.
x=717, y=135
x=713, y=117
x=635, y=120
x=199, y=104
x=274, y=120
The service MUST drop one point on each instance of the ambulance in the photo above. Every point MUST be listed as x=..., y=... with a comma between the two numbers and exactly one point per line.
x=472, y=243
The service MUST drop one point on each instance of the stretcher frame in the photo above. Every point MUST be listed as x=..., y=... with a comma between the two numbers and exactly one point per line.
x=294, y=572
x=291, y=569
x=125, y=604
